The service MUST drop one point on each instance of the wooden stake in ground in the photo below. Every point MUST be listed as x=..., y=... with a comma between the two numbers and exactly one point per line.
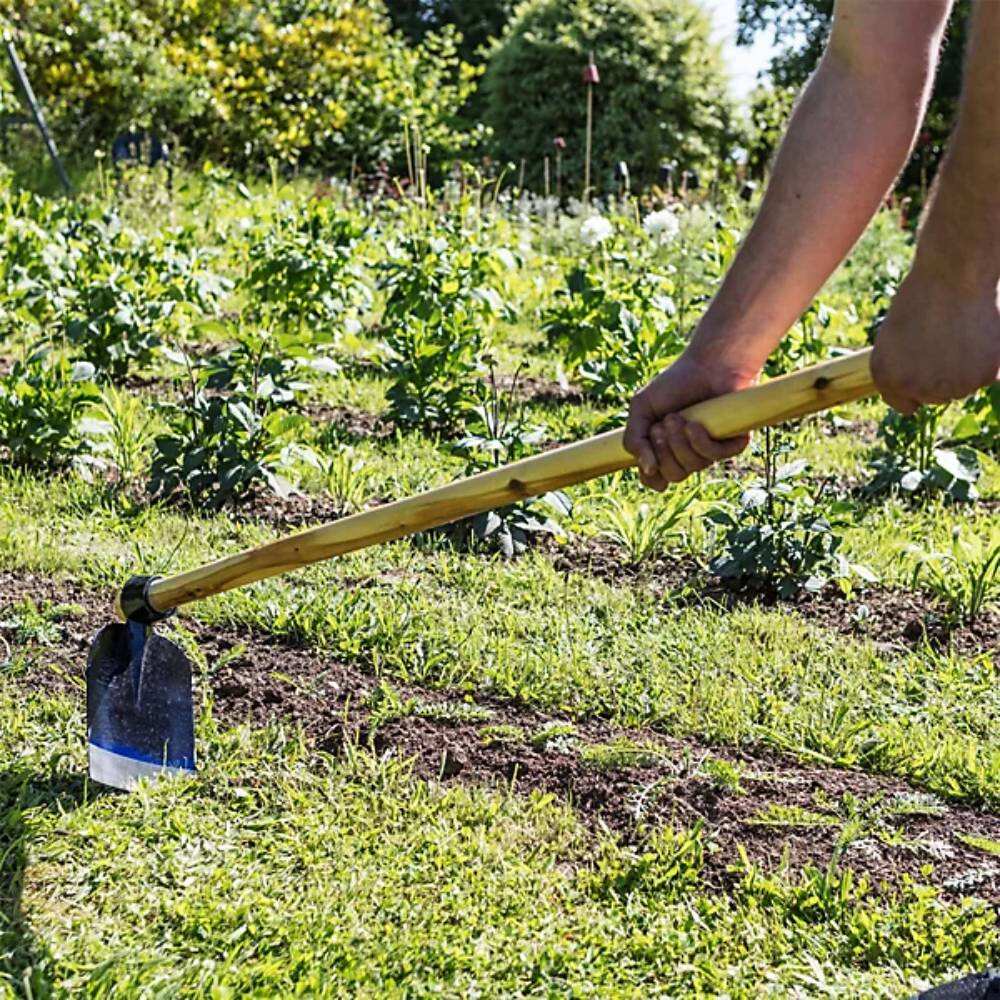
x=591, y=78
x=560, y=143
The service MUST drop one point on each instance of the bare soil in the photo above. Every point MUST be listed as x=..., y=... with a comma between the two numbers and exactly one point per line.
x=778, y=808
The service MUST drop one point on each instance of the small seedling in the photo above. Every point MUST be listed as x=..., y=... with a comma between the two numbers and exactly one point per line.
x=645, y=529
x=502, y=734
x=967, y=578
x=560, y=737
x=622, y=753
x=725, y=775
x=779, y=814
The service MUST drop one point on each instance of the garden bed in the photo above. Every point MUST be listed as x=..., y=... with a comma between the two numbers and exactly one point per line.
x=781, y=810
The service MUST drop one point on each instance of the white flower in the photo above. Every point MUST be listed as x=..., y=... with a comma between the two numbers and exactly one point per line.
x=596, y=230
x=661, y=226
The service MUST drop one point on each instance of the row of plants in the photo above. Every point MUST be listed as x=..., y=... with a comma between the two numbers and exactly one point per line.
x=240, y=331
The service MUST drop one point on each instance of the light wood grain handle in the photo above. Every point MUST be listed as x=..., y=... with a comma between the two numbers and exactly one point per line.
x=807, y=391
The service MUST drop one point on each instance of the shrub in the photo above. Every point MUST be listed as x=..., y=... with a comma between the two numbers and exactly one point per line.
x=34, y=259
x=770, y=108
x=304, y=82
x=439, y=298
x=128, y=292
x=232, y=433
x=617, y=330
x=662, y=93
x=41, y=402
x=303, y=272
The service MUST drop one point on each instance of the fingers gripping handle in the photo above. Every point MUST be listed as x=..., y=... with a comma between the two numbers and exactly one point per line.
x=807, y=391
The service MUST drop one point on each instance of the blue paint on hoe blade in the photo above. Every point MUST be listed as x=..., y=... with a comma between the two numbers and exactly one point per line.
x=140, y=712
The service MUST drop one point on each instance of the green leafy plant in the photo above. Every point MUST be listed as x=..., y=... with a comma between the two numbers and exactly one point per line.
x=439, y=298
x=129, y=292
x=645, y=529
x=979, y=425
x=121, y=433
x=498, y=435
x=233, y=433
x=782, y=535
x=805, y=344
x=304, y=272
x=616, y=330
x=42, y=401
x=912, y=461
x=966, y=578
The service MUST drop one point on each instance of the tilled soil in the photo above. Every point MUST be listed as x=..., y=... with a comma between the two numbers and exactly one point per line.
x=779, y=809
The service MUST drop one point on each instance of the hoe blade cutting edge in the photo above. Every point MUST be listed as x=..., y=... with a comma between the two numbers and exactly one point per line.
x=140, y=712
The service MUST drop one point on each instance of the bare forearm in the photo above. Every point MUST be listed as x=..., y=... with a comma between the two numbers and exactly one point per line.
x=960, y=237
x=848, y=139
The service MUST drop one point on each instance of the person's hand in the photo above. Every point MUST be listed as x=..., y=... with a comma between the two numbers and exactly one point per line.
x=937, y=343
x=668, y=447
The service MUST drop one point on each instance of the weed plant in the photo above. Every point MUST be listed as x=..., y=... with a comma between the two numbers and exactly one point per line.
x=784, y=532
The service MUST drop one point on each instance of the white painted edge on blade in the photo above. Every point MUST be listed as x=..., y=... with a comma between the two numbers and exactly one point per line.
x=113, y=769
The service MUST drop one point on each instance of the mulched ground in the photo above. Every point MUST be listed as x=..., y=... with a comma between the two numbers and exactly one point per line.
x=779, y=809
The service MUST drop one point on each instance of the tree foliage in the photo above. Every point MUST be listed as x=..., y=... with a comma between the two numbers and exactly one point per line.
x=801, y=28
x=478, y=23
x=662, y=93
x=308, y=82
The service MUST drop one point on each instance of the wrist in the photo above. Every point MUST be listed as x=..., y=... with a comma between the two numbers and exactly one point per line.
x=959, y=241
x=956, y=268
x=726, y=348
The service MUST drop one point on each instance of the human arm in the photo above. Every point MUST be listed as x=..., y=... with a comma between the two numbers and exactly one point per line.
x=941, y=337
x=847, y=140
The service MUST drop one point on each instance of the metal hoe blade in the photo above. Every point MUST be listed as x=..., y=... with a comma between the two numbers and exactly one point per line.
x=140, y=712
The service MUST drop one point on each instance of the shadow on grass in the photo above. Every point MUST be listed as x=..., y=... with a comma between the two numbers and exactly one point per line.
x=24, y=794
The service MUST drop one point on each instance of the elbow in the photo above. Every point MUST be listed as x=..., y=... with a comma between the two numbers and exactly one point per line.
x=888, y=51
x=898, y=88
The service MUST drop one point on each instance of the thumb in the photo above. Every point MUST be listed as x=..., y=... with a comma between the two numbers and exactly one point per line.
x=641, y=418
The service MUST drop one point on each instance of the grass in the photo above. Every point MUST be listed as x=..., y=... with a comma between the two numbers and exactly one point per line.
x=280, y=870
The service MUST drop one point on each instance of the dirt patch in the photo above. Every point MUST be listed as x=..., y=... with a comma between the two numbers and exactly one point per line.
x=896, y=620
x=628, y=781
x=348, y=423
x=532, y=389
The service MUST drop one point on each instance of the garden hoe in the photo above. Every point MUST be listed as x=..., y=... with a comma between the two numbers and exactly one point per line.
x=140, y=710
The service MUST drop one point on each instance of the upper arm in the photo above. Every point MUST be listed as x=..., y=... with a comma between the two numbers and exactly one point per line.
x=892, y=41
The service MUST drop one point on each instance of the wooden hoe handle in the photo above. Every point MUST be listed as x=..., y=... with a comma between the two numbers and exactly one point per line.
x=808, y=391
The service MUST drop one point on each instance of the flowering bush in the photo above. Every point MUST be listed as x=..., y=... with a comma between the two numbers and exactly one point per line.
x=301, y=81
